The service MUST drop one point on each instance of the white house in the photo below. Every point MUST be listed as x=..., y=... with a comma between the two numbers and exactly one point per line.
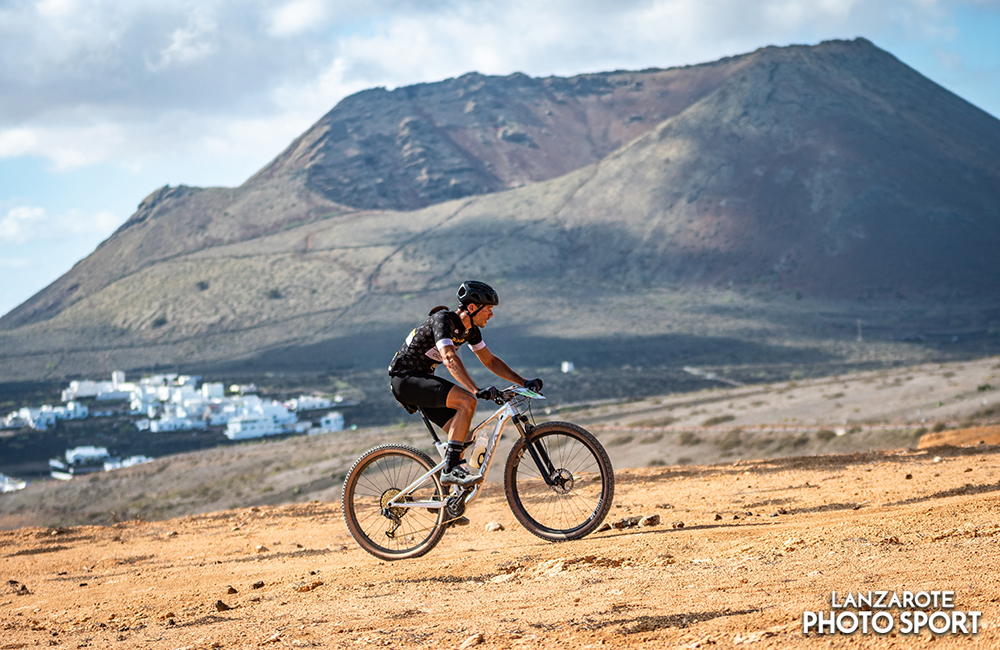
x=308, y=403
x=260, y=418
x=213, y=390
x=40, y=418
x=79, y=460
x=332, y=421
x=114, y=463
x=10, y=484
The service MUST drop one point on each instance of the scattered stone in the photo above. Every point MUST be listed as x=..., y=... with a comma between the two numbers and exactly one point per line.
x=172, y=533
x=968, y=469
x=475, y=639
x=717, y=517
x=677, y=524
x=909, y=476
x=650, y=520
x=937, y=459
x=257, y=585
x=231, y=590
x=221, y=606
x=773, y=514
x=262, y=549
x=303, y=588
x=627, y=522
x=782, y=511
x=274, y=638
x=736, y=516
x=493, y=526
x=603, y=527
x=18, y=588
x=664, y=506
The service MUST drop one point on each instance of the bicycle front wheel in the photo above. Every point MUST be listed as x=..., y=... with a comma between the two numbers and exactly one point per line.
x=386, y=531
x=559, y=481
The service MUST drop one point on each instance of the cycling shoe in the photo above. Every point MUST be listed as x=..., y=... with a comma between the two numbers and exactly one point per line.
x=461, y=477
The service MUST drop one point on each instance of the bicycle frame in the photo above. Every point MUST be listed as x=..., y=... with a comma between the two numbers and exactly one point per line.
x=502, y=417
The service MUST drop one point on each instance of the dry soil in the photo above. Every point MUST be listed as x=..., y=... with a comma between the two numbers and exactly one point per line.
x=741, y=551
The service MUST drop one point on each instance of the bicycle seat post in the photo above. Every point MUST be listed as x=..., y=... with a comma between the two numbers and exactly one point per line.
x=440, y=446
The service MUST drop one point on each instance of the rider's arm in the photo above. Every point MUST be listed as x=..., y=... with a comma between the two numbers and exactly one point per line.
x=497, y=366
x=457, y=369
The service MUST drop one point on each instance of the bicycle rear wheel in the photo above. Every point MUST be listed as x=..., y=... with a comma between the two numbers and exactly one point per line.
x=392, y=533
x=581, y=482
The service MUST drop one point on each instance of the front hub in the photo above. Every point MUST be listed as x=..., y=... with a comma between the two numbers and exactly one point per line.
x=562, y=481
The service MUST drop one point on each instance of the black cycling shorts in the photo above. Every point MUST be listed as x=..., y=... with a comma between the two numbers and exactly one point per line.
x=427, y=391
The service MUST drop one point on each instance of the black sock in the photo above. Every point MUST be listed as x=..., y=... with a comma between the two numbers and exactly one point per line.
x=454, y=456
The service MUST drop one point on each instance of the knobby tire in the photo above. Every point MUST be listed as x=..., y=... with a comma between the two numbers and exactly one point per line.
x=373, y=476
x=574, y=508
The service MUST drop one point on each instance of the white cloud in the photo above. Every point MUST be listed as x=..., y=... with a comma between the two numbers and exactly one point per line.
x=15, y=262
x=89, y=81
x=189, y=44
x=24, y=224
x=296, y=17
x=19, y=224
x=17, y=142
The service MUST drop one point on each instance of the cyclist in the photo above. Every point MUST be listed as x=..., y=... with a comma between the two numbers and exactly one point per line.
x=449, y=405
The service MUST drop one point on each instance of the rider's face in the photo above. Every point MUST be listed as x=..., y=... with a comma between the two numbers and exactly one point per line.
x=483, y=316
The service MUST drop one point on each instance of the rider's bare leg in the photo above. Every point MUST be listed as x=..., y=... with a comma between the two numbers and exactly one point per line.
x=457, y=428
x=464, y=404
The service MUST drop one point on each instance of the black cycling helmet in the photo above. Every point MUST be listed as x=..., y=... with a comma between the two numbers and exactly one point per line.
x=474, y=291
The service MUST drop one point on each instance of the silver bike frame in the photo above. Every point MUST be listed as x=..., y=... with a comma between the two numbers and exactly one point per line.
x=503, y=416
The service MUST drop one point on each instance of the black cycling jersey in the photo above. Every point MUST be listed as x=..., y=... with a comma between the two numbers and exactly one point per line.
x=421, y=352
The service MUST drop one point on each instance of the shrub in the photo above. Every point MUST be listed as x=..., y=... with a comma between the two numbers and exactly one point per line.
x=688, y=438
x=202, y=285
x=939, y=427
x=825, y=435
x=275, y=294
x=982, y=388
x=654, y=422
x=731, y=440
x=718, y=419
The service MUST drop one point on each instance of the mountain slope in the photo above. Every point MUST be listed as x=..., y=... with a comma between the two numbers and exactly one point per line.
x=834, y=171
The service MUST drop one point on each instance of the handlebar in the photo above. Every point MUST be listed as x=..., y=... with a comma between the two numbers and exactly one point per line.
x=513, y=392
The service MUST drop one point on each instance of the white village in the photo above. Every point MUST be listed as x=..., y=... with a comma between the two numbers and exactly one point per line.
x=168, y=403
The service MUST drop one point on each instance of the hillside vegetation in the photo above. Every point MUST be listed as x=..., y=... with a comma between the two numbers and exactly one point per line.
x=772, y=198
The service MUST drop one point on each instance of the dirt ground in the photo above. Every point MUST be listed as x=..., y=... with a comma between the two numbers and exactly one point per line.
x=761, y=543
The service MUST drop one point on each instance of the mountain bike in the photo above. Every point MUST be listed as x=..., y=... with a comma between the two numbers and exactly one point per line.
x=558, y=481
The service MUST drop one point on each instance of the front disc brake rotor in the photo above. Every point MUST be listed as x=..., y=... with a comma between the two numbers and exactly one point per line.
x=562, y=481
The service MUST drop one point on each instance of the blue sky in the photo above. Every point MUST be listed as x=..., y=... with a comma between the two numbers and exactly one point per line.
x=103, y=101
